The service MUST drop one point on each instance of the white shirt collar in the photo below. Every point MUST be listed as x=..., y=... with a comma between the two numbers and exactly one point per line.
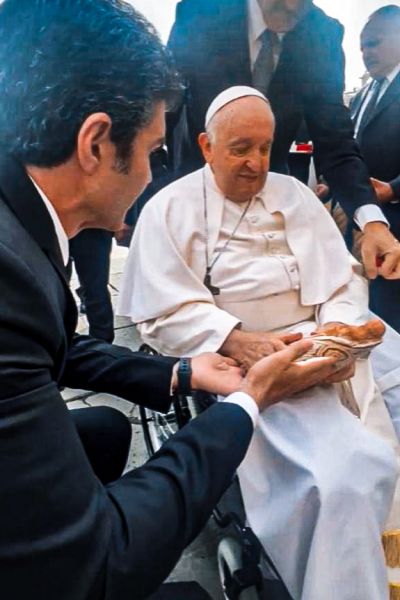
x=60, y=233
x=256, y=21
x=256, y=26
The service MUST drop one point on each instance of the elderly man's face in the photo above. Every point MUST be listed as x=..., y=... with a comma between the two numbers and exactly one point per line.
x=380, y=47
x=283, y=15
x=238, y=149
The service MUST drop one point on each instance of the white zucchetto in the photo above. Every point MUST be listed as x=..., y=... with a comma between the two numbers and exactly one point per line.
x=229, y=95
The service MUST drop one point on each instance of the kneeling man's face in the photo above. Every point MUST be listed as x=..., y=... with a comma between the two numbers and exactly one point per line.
x=238, y=147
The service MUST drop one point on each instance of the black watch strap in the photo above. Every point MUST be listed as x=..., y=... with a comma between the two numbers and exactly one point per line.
x=184, y=377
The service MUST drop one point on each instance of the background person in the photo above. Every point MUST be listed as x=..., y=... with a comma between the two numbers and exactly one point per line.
x=375, y=111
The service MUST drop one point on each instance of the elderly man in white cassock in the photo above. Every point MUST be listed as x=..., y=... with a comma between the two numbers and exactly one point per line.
x=235, y=259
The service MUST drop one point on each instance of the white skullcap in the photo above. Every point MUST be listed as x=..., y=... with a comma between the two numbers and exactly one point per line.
x=229, y=95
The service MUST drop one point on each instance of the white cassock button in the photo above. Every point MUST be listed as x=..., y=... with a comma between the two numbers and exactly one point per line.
x=253, y=219
x=296, y=287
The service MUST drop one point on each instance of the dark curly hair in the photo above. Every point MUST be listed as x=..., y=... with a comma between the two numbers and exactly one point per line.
x=62, y=60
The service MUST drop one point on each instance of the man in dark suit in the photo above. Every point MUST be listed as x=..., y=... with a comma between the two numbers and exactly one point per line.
x=375, y=111
x=291, y=50
x=83, y=87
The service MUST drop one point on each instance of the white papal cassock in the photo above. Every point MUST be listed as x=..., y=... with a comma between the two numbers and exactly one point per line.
x=317, y=483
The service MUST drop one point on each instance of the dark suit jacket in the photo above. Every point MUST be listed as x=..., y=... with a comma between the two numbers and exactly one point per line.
x=209, y=41
x=379, y=141
x=63, y=535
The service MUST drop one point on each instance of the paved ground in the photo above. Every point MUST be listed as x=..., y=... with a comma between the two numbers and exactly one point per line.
x=199, y=561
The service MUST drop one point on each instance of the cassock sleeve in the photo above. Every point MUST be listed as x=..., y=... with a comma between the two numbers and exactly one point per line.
x=349, y=304
x=175, y=313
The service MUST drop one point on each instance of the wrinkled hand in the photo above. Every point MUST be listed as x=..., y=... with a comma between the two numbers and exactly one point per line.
x=383, y=190
x=380, y=251
x=277, y=376
x=216, y=374
x=249, y=347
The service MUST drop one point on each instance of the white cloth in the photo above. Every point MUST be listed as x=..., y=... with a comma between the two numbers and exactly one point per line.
x=386, y=366
x=317, y=485
x=247, y=403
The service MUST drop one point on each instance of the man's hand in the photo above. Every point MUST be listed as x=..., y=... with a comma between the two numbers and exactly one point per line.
x=277, y=376
x=322, y=191
x=249, y=347
x=383, y=190
x=380, y=251
x=216, y=374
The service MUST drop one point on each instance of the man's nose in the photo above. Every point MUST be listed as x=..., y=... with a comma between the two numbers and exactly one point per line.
x=257, y=162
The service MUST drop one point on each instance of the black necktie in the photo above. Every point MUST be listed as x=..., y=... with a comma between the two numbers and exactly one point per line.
x=264, y=66
x=372, y=102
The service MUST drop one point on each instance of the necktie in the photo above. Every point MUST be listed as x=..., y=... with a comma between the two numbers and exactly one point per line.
x=265, y=64
x=372, y=102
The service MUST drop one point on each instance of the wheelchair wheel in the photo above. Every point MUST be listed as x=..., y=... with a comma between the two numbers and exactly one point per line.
x=157, y=428
x=229, y=563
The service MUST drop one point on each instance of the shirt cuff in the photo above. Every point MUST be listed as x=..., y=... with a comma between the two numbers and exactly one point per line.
x=369, y=213
x=247, y=403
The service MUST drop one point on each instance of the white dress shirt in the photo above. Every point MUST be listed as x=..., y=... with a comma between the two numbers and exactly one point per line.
x=60, y=232
x=369, y=91
x=256, y=27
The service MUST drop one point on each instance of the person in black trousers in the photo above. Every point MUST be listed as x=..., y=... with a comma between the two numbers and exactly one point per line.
x=91, y=253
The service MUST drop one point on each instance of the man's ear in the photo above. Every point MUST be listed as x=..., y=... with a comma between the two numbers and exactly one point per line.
x=205, y=146
x=93, y=143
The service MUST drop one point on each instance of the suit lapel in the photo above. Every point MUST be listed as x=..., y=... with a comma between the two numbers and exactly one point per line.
x=356, y=104
x=23, y=199
x=392, y=94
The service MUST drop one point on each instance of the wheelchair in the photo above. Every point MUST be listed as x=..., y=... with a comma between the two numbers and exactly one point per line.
x=245, y=570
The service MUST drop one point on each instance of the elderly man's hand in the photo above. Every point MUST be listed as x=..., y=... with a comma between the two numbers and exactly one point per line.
x=249, y=347
x=380, y=251
x=277, y=376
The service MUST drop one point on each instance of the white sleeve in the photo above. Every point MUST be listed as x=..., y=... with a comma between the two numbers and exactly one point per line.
x=193, y=328
x=369, y=213
x=347, y=305
x=247, y=403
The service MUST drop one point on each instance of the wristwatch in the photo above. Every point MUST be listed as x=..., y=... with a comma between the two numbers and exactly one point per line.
x=184, y=373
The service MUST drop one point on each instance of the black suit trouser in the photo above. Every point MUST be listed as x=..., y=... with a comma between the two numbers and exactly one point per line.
x=106, y=434
x=91, y=250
